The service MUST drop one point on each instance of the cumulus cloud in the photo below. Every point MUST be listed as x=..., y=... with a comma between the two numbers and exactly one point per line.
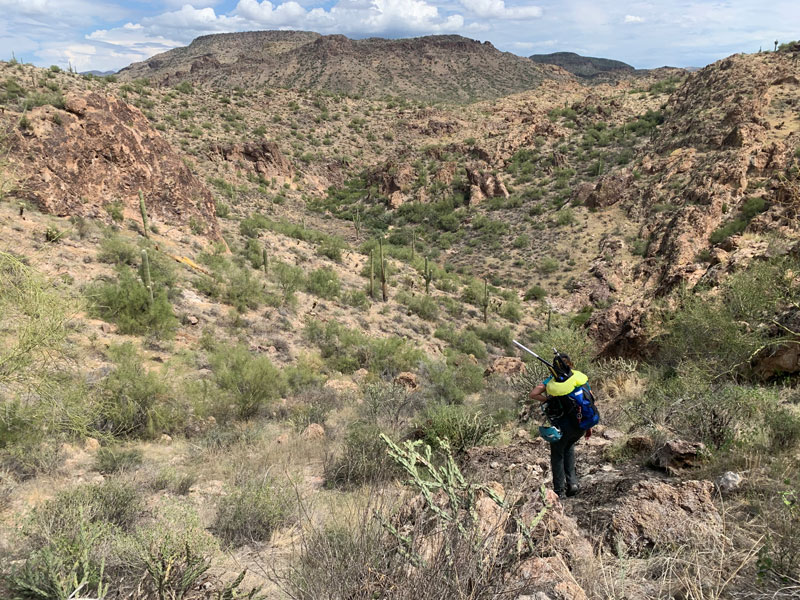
x=633, y=19
x=497, y=9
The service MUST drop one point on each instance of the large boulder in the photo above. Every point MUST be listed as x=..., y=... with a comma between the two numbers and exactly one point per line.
x=484, y=185
x=677, y=455
x=100, y=150
x=657, y=514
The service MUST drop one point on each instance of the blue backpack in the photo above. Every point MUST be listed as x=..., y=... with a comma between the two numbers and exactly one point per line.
x=585, y=410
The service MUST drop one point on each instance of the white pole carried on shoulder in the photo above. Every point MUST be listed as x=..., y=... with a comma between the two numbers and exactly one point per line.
x=532, y=353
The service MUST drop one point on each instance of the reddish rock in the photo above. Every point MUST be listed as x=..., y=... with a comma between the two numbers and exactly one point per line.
x=505, y=365
x=407, y=380
x=659, y=515
x=314, y=431
x=610, y=189
x=260, y=156
x=676, y=455
x=484, y=185
x=102, y=150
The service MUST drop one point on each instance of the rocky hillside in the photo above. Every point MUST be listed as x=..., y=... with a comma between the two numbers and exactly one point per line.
x=583, y=66
x=432, y=68
x=323, y=400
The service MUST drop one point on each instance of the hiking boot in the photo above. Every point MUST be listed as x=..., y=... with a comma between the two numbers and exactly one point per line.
x=560, y=493
x=573, y=490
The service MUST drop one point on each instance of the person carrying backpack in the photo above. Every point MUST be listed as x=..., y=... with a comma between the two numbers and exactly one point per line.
x=568, y=402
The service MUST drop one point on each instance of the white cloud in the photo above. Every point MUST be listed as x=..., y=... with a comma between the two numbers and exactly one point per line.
x=633, y=19
x=497, y=9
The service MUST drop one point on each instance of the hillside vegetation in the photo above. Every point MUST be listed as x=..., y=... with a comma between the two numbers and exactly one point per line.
x=285, y=370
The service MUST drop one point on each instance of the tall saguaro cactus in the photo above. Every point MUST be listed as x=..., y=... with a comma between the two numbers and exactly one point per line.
x=146, y=279
x=264, y=260
x=427, y=275
x=485, y=301
x=372, y=274
x=383, y=271
x=143, y=209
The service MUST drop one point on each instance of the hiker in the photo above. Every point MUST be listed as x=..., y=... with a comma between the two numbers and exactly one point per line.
x=568, y=403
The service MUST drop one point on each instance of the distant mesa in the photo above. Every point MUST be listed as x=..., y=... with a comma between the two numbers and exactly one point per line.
x=583, y=66
x=431, y=68
x=98, y=73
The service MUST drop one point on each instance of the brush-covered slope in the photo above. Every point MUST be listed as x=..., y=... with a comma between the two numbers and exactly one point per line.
x=582, y=66
x=446, y=67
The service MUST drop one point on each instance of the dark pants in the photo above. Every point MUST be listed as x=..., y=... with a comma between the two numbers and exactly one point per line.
x=562, y=458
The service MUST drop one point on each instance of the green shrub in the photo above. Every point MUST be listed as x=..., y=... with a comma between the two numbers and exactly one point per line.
x=450, y=381
x=167, y=555
x=243, y=291
x=461, y=427
x=347, y=350
x=127, y=303
x=134, y=401
x=117, y=251
x=331, y=247
x=112, y=460
x=535, y=293
x=548, y=265
x=323, y=282
x=499, y=336
x=423, y=305
x=289, y=278
x=465, y=341
x=251, y=382
x=252, y=512
x=511, y=311
x=731, y=228
x=363, y=459
x=356, y=299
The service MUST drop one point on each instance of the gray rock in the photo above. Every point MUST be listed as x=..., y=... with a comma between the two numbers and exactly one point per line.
x=729, y=481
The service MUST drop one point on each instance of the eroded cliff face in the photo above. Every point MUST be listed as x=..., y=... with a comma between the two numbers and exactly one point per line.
x=726, y=156
x=98, y=151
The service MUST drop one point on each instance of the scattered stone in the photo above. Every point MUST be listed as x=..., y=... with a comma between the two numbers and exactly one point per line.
x=341, y=386
x=505, y=365
x=640, y=443
x=106, y=328
x=314, y=431
x=165, y=439
x=192, y=320
x=676, y=455
x=612, y=434
x=360, y=375
x=729, y=482
x=282, y=439
x=522, y=434
x=407, y=380
x=657, y=514
x=91, y=444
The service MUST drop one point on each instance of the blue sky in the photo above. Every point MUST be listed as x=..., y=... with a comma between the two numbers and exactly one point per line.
x=111, y=34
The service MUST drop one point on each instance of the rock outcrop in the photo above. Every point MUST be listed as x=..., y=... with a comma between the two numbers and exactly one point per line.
x=98, y=151
x=261, y=157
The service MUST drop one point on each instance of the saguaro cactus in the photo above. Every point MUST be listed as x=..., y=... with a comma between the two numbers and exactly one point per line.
x=383, y=271
x=148, y=282
x=485, y=301
x=413, y=245
x=427, y=275
x=372, y=274
x=264, y=259
x=143, y=209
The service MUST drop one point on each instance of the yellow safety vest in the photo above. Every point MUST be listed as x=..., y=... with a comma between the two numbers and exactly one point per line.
x=562, y=388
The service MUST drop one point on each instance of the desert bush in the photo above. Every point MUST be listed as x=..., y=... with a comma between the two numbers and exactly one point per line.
x=461, y=427
x=451, y=380
x=331, y=247
x=570, y=340
x=251, y=512
x=499, y=336
x=388, y=405
x=251, y=382
x=423, y=306
x=347, y=350
x=465, y=341
x=356, y=299
x=535, y=292
x=127, y=303
x=314, y=407
x=33, y=318
x=363, y=459
x=547, y=265
x=117, y=251
x=305, y=373
x=112, y=460
x=134, y=401
x=323, y=282
x=289, y=278
x=172, y=481
x=167, y=554
x=243, y=291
